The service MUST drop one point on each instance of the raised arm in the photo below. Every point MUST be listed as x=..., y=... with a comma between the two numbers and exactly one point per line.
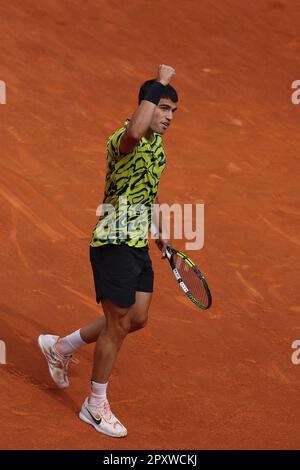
x=142, y=117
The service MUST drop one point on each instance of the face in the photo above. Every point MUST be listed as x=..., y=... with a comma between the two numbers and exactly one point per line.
x=163, y=115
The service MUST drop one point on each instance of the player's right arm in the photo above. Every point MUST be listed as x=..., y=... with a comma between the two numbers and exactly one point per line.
x=142, y=117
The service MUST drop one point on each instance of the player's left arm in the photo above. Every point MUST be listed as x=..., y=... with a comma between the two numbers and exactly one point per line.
x=162, y=241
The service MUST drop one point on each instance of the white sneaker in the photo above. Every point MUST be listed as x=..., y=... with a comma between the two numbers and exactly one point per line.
x=102, y=419
x=57, y=363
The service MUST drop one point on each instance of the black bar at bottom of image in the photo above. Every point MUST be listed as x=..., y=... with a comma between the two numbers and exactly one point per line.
x=136, y=458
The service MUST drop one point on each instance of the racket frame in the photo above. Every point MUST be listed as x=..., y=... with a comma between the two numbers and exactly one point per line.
x=169, y=253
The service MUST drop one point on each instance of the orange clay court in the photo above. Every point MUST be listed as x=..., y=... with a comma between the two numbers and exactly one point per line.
x=220, y=379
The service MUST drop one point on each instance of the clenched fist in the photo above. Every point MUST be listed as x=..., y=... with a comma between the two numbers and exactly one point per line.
x=165, y=74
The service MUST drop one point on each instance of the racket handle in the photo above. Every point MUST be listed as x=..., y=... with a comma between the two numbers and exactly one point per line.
x=169, y=252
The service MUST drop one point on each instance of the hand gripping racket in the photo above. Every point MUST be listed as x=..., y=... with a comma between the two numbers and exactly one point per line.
x=190, y=278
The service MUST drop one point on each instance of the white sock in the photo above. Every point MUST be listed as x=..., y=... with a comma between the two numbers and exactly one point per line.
x=68, y=344
x=98, y=393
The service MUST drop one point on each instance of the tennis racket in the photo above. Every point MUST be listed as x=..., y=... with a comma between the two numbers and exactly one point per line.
x=190, y=278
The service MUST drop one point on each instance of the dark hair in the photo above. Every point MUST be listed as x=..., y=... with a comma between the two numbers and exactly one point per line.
x=169, y=91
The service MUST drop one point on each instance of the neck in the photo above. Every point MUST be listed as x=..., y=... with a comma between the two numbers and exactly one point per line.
x=149, y=135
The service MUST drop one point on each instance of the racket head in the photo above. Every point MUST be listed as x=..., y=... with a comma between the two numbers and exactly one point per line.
x=190, y=278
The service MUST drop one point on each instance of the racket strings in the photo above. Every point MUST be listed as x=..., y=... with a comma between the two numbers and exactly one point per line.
x=192, y=281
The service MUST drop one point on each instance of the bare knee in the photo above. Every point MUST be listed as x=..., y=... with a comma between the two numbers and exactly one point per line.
x=139, y=311
x=139, y=322
x=121, y=326
x=117, y=321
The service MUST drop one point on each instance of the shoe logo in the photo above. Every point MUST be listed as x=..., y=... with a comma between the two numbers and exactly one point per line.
x=97, y=421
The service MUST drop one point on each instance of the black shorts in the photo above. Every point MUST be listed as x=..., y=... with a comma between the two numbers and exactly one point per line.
x=119, y=271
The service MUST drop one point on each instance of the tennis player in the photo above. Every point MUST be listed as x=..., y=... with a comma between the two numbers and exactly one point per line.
x=119, y=256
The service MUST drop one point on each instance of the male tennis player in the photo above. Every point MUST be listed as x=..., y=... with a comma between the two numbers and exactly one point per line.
x=122, y=268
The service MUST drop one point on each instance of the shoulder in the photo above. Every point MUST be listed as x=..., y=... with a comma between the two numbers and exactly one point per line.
x=115, y=137
x=113, y=142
